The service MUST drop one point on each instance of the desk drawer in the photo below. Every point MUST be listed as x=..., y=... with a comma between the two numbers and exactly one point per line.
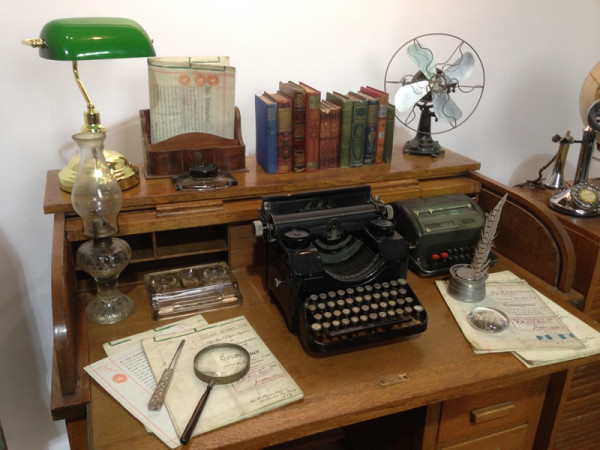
x=492, y=412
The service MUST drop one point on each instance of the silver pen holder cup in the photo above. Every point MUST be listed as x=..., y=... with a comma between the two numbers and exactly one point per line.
x=463, y=286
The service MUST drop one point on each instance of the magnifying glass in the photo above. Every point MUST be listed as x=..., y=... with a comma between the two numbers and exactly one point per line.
x=216, y=364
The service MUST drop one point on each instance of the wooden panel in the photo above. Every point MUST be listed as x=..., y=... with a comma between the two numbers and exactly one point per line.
x=551, y=255
x=579, y=425
x=509, y=439
x=458, y=420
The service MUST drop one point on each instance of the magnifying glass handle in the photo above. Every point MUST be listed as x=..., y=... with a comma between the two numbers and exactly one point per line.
x=189, y=429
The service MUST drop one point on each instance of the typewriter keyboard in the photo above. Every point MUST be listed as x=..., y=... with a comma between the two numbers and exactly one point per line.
x=361, y=315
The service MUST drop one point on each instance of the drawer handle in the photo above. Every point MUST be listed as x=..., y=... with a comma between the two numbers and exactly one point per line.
x=491, y=412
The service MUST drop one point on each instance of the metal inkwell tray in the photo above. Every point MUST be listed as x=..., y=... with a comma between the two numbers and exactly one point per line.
x=191, y=290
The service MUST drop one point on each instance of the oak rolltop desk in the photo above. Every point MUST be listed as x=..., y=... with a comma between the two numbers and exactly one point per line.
x=459, y=399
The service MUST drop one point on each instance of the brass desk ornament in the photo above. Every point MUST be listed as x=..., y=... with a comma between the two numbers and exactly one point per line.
x=467, y=281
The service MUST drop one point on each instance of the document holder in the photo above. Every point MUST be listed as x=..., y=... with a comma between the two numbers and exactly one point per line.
x=176, y=154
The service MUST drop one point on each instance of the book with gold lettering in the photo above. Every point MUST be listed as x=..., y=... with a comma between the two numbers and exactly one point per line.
x=313, y=127
x=298, y=96
x=284, y=130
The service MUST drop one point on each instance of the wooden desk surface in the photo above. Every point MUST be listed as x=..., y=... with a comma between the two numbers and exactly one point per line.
x=339, y=390
x=255, y=183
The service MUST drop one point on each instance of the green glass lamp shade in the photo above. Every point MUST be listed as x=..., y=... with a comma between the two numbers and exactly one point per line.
x=80, y=39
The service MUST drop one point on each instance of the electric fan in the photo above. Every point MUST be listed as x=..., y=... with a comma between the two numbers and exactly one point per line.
x=447, y=87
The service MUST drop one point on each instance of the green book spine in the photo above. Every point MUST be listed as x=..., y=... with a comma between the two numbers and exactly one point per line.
x=359, y=126
x=346, y=125
x=388, y=146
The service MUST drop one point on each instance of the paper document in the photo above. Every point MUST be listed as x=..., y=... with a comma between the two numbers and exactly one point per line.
x=126, y=375
x=588, y=335
x=191, y=94
x=530, y=323
x=266, y=386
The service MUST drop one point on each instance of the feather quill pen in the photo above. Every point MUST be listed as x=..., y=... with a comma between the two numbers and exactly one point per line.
x=488, y=233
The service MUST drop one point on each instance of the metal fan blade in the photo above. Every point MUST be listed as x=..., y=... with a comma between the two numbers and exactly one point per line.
x=445, y=108
x=409, y=94
x=423, y=58
x=461, y=69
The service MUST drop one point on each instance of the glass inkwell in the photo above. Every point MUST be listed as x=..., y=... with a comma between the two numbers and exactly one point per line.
x=96, y=198
x=203, y=176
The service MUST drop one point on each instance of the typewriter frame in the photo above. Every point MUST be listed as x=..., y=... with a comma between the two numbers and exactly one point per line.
x=294, y=268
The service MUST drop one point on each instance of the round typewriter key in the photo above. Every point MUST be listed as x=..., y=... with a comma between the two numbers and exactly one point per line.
x=418, y=312
x=368, y=298
x=409, y=300
x=402, y=292
x=335, y=324
x=393, y=284
x=330, y=305
x=400, y=302
x=312, y=309
x=377, y=286
x=383, y=305
x=349, y=302
x=385, y=285
x=391, y=314
x=358, y=300
x=385, y=296
x=323, y=297
x=374, y=306
x=392, y=304
x=316, y=327
x=337, y=314
x=355, y=310
x=327, y=315
x=345, y=322
x=368, y=288
x=373, y=317
x=346, y=312
x=341, y=293
x=365, y=308
x=354, y=321
x=363, y=318
x=331, y=295
x=402, y=281
x=340, y=303
x=321, y=307
x=360, y=290
x=400, y=312
x=394, y=293
x=313, y=298
x=318, y=317
x=326, y=326
x=382, y=315
x=408, y=310
x=350, y=291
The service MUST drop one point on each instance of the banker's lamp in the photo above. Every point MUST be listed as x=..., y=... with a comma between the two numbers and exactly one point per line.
x=90, y=38
x=96, y=194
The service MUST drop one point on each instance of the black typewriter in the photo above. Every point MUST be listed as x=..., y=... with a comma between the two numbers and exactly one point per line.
x=336, y=267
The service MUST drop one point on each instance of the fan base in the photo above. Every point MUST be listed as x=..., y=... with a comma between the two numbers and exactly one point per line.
x=423, y=145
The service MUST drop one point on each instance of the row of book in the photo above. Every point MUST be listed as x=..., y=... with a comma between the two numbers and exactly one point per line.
x=297, y=130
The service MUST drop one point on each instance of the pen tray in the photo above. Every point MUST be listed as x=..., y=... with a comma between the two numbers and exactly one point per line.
x=191, y=290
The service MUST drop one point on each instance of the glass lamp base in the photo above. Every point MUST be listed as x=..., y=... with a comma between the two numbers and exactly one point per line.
x=104, y=311
x=104, y=259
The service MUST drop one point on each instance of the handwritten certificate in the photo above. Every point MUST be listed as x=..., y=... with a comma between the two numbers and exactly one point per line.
x=126, y=375
x=191, y=94
x=266, y=386
x=530, y=323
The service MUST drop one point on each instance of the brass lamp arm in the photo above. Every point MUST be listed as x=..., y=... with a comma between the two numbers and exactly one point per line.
x=91, y=117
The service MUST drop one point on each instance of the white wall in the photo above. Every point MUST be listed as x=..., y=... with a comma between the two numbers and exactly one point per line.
x=536, y=56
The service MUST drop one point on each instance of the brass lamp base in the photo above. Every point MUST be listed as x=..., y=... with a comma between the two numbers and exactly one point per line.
x=126, y=173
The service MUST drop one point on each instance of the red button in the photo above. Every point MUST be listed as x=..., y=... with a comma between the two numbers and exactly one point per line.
x=435, y=256
x=445, y=254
